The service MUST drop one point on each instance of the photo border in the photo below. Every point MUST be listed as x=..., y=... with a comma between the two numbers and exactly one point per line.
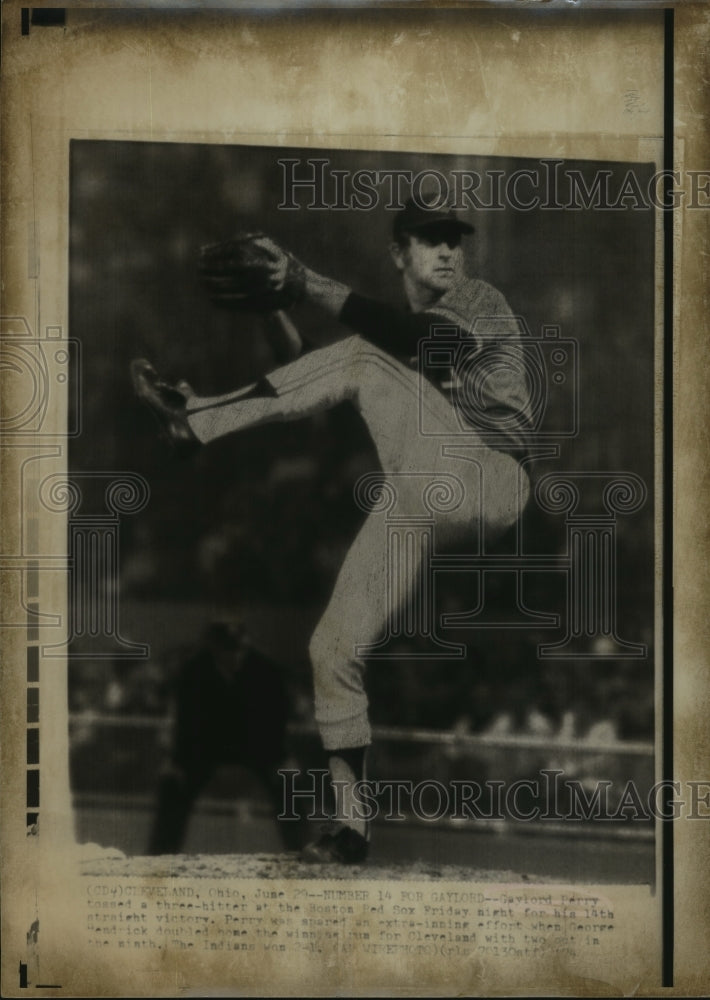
x=669, y=503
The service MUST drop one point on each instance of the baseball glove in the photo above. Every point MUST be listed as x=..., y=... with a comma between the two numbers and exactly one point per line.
x=252, y=273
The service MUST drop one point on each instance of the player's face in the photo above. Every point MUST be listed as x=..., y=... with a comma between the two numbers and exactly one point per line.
x=430, y=262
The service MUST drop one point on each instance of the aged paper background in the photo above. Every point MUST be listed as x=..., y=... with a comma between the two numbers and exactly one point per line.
x=359, y=79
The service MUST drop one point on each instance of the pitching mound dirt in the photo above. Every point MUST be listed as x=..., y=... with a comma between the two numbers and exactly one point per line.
x=285, y=866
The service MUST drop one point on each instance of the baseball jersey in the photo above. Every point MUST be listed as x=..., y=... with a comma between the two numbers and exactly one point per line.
x=470, y=346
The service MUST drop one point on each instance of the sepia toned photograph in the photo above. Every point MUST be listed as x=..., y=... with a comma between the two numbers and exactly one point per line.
x=396, y=518
x=346, y=488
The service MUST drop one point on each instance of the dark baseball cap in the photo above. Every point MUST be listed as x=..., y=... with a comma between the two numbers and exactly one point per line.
x=416, y=215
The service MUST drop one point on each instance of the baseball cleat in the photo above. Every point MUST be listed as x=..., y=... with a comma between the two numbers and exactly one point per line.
x=338, y=845
x=167, y=403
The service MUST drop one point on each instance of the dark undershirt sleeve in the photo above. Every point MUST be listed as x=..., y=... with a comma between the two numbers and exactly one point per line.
x=392, y=329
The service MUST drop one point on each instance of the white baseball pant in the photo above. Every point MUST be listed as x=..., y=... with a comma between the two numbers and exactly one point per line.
x=391, y=399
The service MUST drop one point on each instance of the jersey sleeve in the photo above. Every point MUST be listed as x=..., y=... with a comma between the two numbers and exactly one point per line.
x=495, y=365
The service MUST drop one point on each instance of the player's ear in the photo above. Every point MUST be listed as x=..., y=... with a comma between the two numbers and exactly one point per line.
x=397, y=251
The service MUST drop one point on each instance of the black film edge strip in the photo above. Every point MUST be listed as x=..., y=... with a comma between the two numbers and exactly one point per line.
x=667, y=880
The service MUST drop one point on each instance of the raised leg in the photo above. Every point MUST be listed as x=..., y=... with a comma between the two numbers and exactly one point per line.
x=386, y=393
x=391, y=399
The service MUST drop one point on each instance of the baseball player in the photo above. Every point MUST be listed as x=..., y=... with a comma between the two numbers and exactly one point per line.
x=477, y=415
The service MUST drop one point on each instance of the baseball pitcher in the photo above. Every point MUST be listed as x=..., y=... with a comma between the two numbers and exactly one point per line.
x=474, y=404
